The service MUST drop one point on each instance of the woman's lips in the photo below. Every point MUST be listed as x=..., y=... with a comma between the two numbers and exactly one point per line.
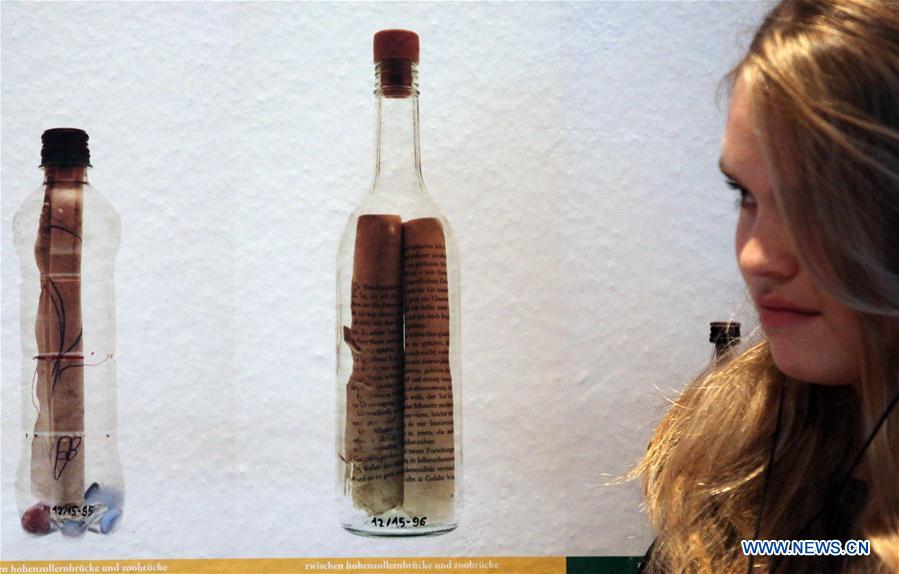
x=776, y=312
x=776, y=318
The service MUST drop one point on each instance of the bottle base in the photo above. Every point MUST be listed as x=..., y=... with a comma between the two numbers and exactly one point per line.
x=376, y=532
x=101, y=513
x=37, y=522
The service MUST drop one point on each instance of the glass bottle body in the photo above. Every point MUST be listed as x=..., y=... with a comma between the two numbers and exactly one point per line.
x=69, y=476
x=399, y=421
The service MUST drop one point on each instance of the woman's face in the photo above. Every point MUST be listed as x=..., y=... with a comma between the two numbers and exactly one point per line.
x=812, y=336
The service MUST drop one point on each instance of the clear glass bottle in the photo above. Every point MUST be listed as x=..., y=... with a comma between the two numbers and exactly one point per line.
x=399, y=419
x=66, y=234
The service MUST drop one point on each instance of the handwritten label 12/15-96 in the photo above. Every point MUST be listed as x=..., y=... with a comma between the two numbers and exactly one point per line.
x=399, y=522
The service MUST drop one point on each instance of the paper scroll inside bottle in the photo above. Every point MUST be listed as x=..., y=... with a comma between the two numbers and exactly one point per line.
x=374, y=395
x=57, y=450
x=429, y=450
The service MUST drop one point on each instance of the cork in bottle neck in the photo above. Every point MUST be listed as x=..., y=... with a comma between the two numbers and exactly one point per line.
x=396, y=79
x=396, y=55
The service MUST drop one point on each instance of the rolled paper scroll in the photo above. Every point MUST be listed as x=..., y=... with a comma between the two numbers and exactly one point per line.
x=374, y=417
x=429, y=466
x=57, y=452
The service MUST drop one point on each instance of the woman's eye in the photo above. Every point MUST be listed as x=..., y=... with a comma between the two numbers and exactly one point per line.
x=745, y=199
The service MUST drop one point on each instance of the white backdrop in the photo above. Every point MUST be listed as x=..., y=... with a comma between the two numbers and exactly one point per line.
x=572, y=146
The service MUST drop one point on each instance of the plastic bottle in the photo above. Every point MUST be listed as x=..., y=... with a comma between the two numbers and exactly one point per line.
x=725, y=335
x=66, y=234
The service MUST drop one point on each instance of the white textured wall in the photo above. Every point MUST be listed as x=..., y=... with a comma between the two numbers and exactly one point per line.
x=572, y=146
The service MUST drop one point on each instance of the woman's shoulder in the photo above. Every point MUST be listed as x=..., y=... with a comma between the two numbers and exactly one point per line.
x=841, y=522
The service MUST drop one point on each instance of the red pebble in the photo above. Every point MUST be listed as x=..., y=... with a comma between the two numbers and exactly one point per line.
x=36, y=519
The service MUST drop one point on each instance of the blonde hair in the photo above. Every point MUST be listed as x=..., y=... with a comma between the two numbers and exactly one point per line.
x=823, y=78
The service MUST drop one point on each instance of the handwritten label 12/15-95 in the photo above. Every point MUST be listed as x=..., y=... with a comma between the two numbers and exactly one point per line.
x=73, y=510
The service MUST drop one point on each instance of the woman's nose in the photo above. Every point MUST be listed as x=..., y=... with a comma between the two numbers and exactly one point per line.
x=766, y=250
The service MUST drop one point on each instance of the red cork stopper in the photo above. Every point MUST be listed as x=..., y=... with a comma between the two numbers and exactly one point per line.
x=396, y=45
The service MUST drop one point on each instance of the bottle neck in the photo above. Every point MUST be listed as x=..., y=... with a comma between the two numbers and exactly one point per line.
x=65, y=174
x=397, y=153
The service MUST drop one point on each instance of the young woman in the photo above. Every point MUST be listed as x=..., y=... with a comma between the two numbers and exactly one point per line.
x=798, y=436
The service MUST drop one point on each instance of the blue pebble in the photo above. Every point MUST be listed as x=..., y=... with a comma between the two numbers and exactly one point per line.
x=109, y=520
x=92, y=491
x=104, y=495
x=72, y=528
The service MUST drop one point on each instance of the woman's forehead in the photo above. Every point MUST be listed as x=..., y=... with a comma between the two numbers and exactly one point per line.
x=740, y=150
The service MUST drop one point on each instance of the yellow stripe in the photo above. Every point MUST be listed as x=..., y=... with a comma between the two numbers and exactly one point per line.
x=492, y=565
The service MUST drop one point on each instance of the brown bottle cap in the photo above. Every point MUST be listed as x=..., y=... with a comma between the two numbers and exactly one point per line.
x=724, y=333
x=396, y=45
x=65, y=146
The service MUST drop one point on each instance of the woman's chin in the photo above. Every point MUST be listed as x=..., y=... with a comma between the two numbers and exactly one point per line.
x=804, y=363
